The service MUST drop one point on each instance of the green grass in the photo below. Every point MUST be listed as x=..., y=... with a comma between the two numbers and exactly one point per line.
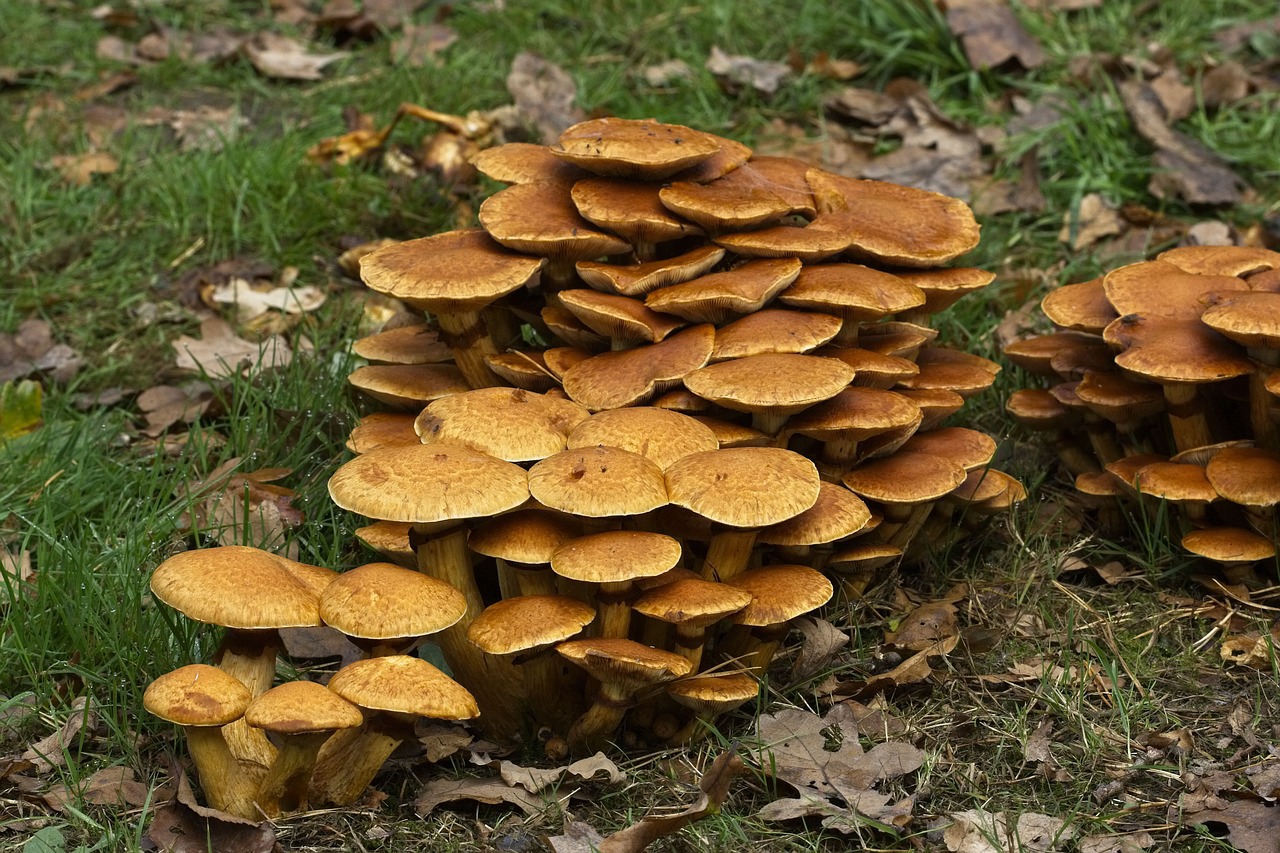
x=97, y=508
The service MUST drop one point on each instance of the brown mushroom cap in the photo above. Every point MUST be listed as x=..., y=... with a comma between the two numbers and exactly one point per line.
x=408, y=386
x=528, y=536
x=1249, y=476
x=780, y=593
x=629, y=148
x=1083, y=307
x=417, y=344
x=1221, y=260
x=809, y=243
x=852, y=292
x=391, y=540
x=528, y=622
x=613, y=380
x=197, y=695
x=378, y=428
x=639, y=279
x=404, y=685
x=692, y=602
x=524, y=163
x=506, y=423
x=428, y=483
x=855, y=414
x=236, y=586
x=1250, y=319
x=785, y=176
x=448, y=273
x=622, y=319
x=968, y=448
x=893, y=224
x=774, y=330
x=629, y=209
x=905, y=478
x=661, y=435
x=301, y=707
x=1229, y=545
x=523, y=369
x=1174, y=481
x=598, y=482
x=734, y=202
x=714, y=694
x=615, y=556
x=720, y=297
x=617, y=660
x=837, y=513
x=1160, y=289
x=381, y=601
x=944, y=287
x=779, y=383
x=540, y=219
x=744, y=486
x=1164, y=349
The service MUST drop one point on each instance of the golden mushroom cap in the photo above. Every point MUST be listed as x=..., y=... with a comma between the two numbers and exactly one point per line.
x=236, y=586
x=405, y=685
x=197, y=695
x=300, y=707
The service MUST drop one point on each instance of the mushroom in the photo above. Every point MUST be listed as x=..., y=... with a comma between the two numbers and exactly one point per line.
x=614, y=560
x=386, y=609
x=304, y=715
x=693, y=605
x=779, y=594
x=202, y=699
x=708, y=696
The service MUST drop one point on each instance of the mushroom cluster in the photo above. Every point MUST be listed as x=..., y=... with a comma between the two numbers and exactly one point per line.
x=663, y=400
x=1165, y=376
x=261, y=749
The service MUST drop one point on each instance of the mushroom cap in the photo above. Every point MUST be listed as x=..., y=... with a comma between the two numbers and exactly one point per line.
x=634, y=148
x=301, y=707
x=785, y=176
x=660, y=435
x=404, y=685
x=598, y=482
x=744, y=486
x=1229, y=545
x=1083, y=307
x=540, y=219
x=944, y=287
x=428, y=483
x=197, y=695
x=1163, y=349
x=525, y=369
x=629, y=209
x=872, y=369
x=524, y=163
x=1249, y=476
x=618, y=660
x=1160, y=289
x=379, y=428
x=895, y=337
x=854, y=414
x=780, y=383
x=1221, y=260
x=417, y=344
x=952, y=370
x=1250, y=319
x=1037, y=408
x=528, y=622
x=936, y=404
x=714, y=694
x=851, y=291
x=527, y=536
x=448, y=273
x=390, y=539
x=808, y=243
x=905, y=478
x=731, y=203
x=613, y=380
x=615, y=556
x=892, y=224
x=565, y=325
x=1174, y=481
x=1118, y=398
x=236, y=586
x=408, y=386
x=729, y=434
x=692, y=602
x=1036, y=353
x=968, y=448
x=382, y=601
x=774, y=330
x=619, y=318
x=506, y=423
x=723, y=296
x=837, y=513
x=780, y=593
x=639, y=279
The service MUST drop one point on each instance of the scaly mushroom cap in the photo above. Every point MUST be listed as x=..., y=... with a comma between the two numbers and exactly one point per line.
x=506, y=423
x=1083, y=307
x=615, y=556
x=598, y=482
x=301, y=707
x=427, y=483
x=404, y=685
x=408, y=386
x=236, y=587
x=378, y=428
x=745, y=486
x=1163, y=349
x=1249, y=476
x=639, y=279
x=968, y=448
x=891, y=224
x=629, y=209
x=527, y=536
x=736, y=202
x=1160, y=289
x=778, y=383
x=905, y=478
x=780, y=593
x=541, y=219
x=448, y=273
x=614, y=380
x=714, y=694
x=197, y=695
x=626, y=661
x=641, y=149
x=692, y=602
x=723, y=296
x=838, y=513
x=1250, y=319
x=523, y=369
x=855, y=414
x=1221, y=260
x=524, y=163
x=774, y=330
x=381, y=601
x=528, y=622
x=660, y=435
x=417, y=344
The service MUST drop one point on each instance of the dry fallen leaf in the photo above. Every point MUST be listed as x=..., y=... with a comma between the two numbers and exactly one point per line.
x=420, y=46
x=537, y=779
x=218, y=353
x=16, y=576
x=544, y=94
x=1129, y=842
x=925, y=626
x=282, y=57
x=166, y=405
x=79, y=169
x=110, y=786
x=822, y=641
x=666, y=73
x=1250, y=826
x=1090, y=221
x=51, y=751
x=31, y=351
x=735, y=72
x=978, y=831
x=491, y=791
x=992, y=35
x=250, y=302
x=185, y=826
x=441, y=740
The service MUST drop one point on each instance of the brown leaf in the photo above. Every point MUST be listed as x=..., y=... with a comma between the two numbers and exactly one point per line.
x=544, y=95
x=913, y=670
x=51, y=752
x=418, y=47
x=441, y=740
x=251, y=302
x=491, y=791
x=184, y=826
x=867, y=106
x=536, y=779
x=925, y=626
x=1129, y=842
x=822, y=641
x=1250, y=826
x=736, y=72
x=1188, y=169
x=992, y=35
x=79, y=169
x=666, y=73
x=1250, y=650
x=219, y=353
x=578, y=837
x=978, y=831
x=1225, y=85
x=1037, y=746
x=805, y=750
x=282, y=57
x=16, y=576
x=111, y=786
x=1088, y=223
x=166, y=405
x=1175, y=96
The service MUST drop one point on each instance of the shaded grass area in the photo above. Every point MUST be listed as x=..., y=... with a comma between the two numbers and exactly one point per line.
x=98, y=512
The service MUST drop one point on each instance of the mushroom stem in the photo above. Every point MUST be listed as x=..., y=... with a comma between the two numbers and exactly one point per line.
x=348, y=761
x=1265, y=431
x=284, y=788
x=613, y=603
x=753, y=648
x=552, y=695
x=249, y=656
x=588, y=733
x=689, y=644
x=729, y=553
x=226, y=787
x=468, y=338
x=1187, y=417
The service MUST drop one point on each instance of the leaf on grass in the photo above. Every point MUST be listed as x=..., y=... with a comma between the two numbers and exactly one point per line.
x=110, y=786
x=544, y=94
x=185, y=826
x=1129, y=842
x=1090, y=221
x=166, y=405
x=978, y=831
x=578, y=837
x=821, y=642
x=537, y=779
x=32, y=350
x=250, y=302
x=1255, y=651
x=16, y=575
x=287, y=59
x=441, y=740
x=491, y=791
x=206, y=128
x=912, y=671
x=79, y=169
x=925, y=626
x=1187, y=168
x=219, y=353
x=244, y=508
x=1250, y=826
x=418, y=47
x=1037, y=751
x=666, y=73
x=20, y=408
x=735, y=72
x=51, y=751
x=992, y=36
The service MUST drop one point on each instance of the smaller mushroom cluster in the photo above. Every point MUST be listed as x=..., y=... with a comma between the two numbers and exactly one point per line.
x=261, y=748
x=688, y=387
x=1165, y=376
